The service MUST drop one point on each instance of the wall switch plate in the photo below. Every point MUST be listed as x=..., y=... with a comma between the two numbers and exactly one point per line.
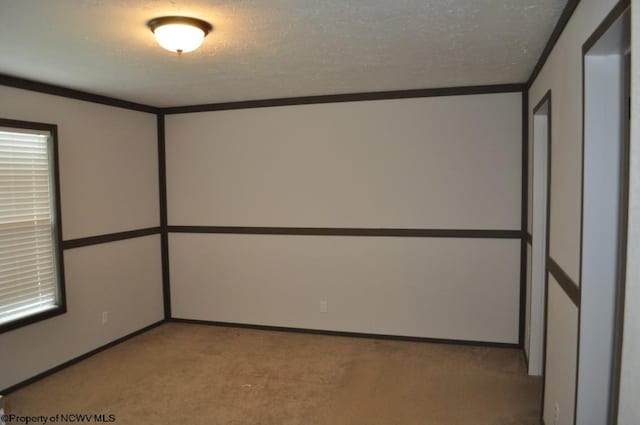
x=105, y=317
x=323, y=306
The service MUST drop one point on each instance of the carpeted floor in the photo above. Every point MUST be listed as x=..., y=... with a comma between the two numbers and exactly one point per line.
x=194, y=374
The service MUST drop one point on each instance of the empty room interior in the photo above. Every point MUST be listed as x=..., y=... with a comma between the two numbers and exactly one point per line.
x=320, y=212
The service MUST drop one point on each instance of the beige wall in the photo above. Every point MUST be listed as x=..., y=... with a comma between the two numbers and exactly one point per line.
x=446, y=162
x=441, y=162
x=562, y=342
x=562, y=74
x=108, y=161
x=109, y=183
x=463, y=289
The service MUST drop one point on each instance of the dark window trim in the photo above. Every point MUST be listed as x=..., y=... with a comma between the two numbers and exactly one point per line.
x=61, y=308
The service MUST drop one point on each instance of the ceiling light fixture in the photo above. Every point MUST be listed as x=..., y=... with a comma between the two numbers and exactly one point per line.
x=179, y=34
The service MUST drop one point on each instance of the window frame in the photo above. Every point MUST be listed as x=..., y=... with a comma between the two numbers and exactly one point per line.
x=61, y=306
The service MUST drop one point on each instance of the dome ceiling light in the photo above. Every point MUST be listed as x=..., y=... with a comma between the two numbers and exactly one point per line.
x=179, y=34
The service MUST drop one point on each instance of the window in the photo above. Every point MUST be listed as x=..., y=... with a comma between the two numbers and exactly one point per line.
x=31, y=272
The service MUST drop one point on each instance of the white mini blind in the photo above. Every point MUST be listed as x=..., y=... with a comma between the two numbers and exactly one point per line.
x=28, y=278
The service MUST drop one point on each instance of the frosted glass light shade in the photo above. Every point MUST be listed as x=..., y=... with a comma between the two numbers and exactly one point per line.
x=179, y=34
x=180, y=38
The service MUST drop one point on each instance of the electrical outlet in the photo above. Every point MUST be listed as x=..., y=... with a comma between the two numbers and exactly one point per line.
x=105, y=317
x=323, y=306
x=556, y=414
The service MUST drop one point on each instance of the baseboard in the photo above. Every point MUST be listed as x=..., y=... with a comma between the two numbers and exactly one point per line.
x=78, y=359
x=347, y=334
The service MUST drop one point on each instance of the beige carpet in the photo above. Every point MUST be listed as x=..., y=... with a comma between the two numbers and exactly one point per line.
x=193, y=374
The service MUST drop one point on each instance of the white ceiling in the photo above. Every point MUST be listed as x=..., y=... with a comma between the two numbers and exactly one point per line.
x=274, y=48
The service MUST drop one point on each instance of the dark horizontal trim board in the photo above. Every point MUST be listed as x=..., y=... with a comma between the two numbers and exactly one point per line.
x=36, y=86
x=604, y=26
x=78, y=359
x=350, y=231
x=347, y=97
x=111, y=237
x=555, y=35
x=346, y=334
x=566, y=283
x=22, y=83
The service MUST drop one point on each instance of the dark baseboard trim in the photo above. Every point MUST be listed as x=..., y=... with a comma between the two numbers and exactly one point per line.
x=22, y=83
x=555, y=35
x=347, y=97
x=566, y=283
x=345, y=334
x=78, y=359
x=110, y=237
x=349, y=231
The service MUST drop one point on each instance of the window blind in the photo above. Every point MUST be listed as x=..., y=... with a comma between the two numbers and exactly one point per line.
x=28, y=277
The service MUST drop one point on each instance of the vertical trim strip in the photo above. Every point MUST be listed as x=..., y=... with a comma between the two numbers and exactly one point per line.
x=164, y=238
x=524, y=213
x=547, y=237
x=623, y=229
x=62, y=288
x=575, y=389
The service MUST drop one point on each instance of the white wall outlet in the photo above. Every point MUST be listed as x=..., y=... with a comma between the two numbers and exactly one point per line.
x=105, y=317
x=323, y=306
x=556, y=414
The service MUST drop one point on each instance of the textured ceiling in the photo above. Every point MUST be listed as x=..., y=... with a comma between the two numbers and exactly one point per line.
x=274, y=48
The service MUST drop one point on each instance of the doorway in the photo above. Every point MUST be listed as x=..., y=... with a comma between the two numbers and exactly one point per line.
x=604, y=216
x=541, y=180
